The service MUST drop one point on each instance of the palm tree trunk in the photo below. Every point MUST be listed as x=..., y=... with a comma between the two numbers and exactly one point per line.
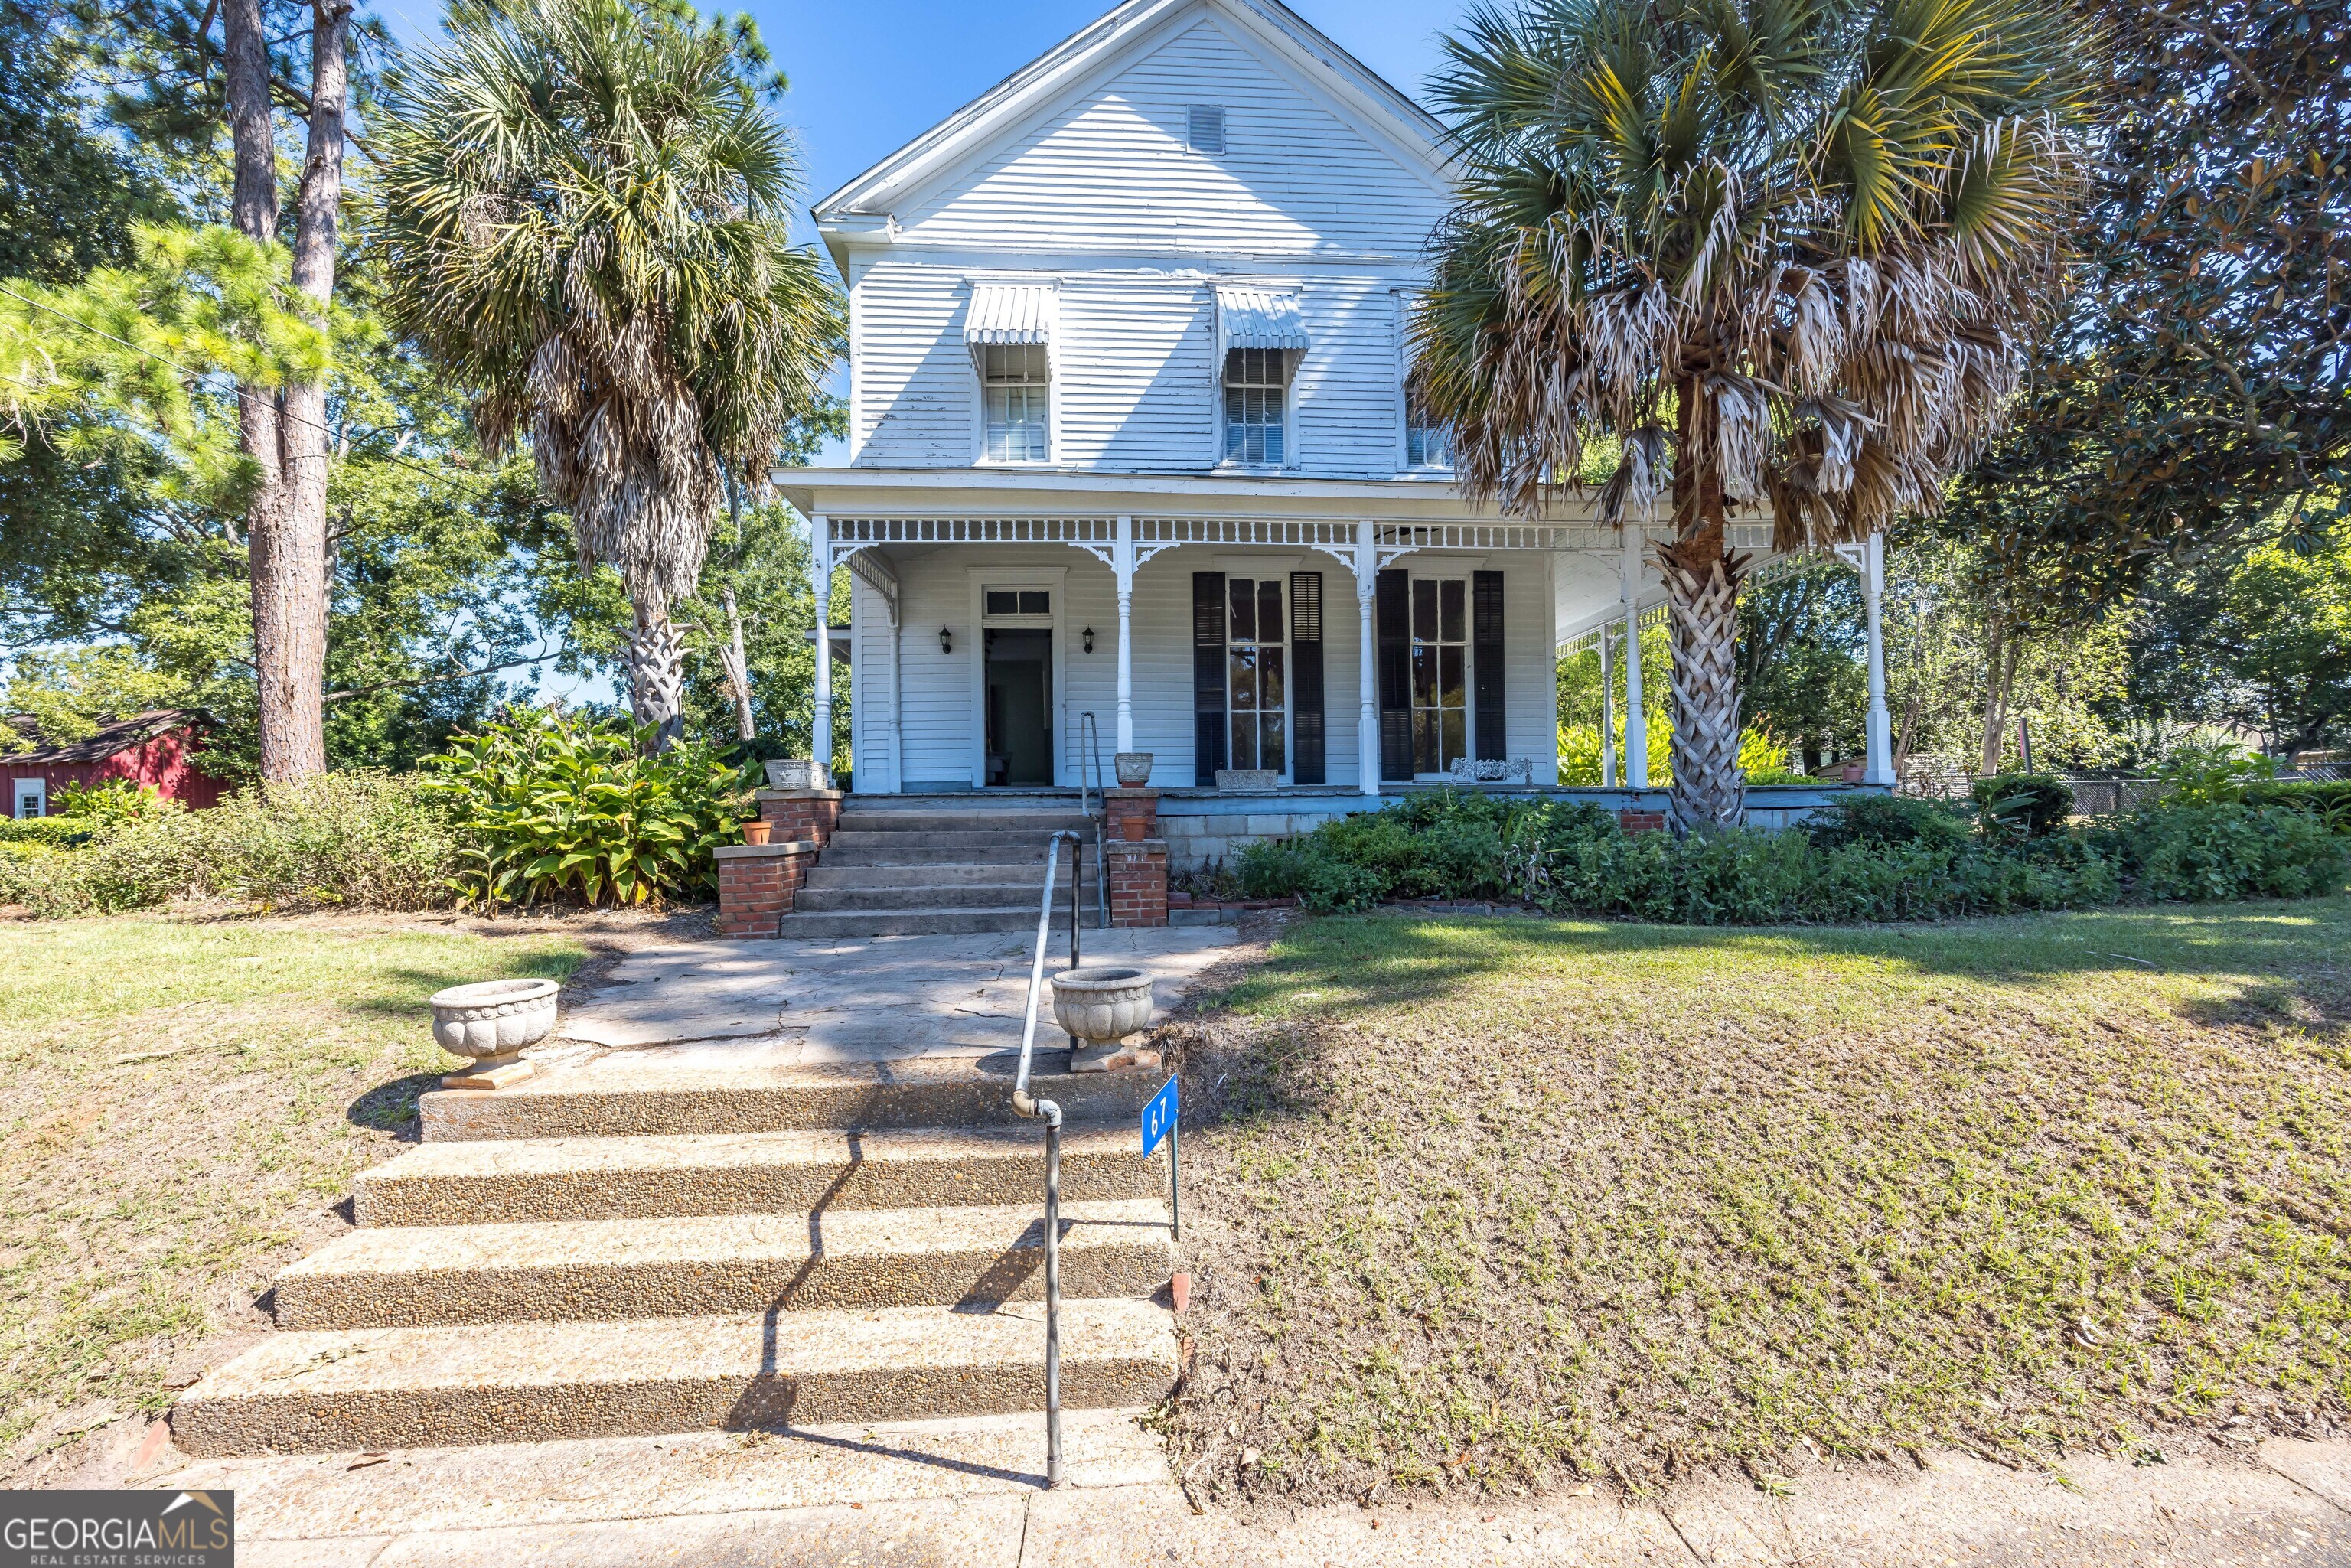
x=657, y=675
x=1702, y=581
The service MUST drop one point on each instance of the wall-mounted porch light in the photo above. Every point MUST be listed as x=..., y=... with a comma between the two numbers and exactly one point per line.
x=1090, y=639
x=946, y=641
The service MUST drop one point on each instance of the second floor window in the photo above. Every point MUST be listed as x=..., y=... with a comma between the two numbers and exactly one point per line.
x=1016, y=394
x=1426, y=443
x=1257, y=397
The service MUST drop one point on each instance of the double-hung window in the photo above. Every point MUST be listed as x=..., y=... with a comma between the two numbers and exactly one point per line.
x=1440, y=664
x=1016, y=396
x=1427, y=443
x=1257, y=404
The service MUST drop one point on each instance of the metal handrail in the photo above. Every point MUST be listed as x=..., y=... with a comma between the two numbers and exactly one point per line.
x=1050, y=1113
x=1090, y=739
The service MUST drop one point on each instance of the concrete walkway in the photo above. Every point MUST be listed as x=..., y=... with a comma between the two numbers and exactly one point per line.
x=967, y=1493
x=882, y=999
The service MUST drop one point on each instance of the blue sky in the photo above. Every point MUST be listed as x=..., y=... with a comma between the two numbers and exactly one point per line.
x=868, y=76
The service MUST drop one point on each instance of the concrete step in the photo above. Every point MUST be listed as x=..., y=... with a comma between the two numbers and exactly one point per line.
x=826, y=926
x=604, y=1270
x=520, y=1180
x=1033, y=824
x=638, y=1094
x=848, y=895
x=942, y=879
x=335, y=1390
x=942, y=848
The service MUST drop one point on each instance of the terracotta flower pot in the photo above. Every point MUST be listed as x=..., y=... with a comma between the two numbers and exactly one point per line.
x=756, y=830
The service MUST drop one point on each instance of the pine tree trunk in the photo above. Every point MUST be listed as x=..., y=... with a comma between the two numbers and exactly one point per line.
x=2000, y=679
x=1702, y=579
x=657, y=675
x=285, y=432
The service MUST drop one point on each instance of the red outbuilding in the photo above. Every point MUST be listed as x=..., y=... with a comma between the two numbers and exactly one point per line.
x=158, y=750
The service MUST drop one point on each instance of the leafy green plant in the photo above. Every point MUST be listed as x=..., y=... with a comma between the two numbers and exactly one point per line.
x=2216, y=774
x=2023, y=805
x=558, y=808
x=1886, y=820
x=111, y=803
x=2328, y=799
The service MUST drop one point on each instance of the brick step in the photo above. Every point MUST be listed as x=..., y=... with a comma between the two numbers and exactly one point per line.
x=849, y=896
x=942, y=879
x=635, y=1093
x=965, y=844
x=1035, y=824
x=832, y=925
x=604, y=1270
x=517, y=1180
x=333, y=1390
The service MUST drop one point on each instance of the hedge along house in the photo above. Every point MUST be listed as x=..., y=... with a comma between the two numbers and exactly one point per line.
x=1131, y=465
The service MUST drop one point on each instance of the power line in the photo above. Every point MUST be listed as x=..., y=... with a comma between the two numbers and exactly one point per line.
x=365, y=433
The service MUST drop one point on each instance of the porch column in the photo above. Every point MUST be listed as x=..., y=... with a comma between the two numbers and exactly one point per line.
x=1880, y=769
x=821, y=580
x=1607, y=716
x=1367, y=674
x=1636, y=720
x=1122, y=557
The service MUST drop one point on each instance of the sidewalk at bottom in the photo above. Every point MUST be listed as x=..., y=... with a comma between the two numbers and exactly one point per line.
x=967, y=1494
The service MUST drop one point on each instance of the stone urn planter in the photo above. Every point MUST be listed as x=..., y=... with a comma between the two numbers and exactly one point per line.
x=1133, y=769
x=1102, y=1004
x=491, y=1021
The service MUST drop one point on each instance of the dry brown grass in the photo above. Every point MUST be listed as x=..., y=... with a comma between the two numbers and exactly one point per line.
x=1493, y=1203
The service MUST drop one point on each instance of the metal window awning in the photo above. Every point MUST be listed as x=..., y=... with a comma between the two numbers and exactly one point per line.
x=1008, y=313
x=1260, y=319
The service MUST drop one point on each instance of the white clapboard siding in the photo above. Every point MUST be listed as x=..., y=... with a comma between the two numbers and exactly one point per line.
x=871, y=688
x=1108, y=169
x=1135, y=360
x=915, y=389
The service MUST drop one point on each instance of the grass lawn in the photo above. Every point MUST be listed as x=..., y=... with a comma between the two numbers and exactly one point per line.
x=1498, y=1202
x=182, y=1107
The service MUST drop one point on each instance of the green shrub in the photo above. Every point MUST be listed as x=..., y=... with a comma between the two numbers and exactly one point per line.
x=2328, y=799
x=2023, y=805
x=2216, y=774
x=110, y=803
x=1886, y=820
x=52, y=832
x=361, y=841
x=556, y=807
x=1876, y=858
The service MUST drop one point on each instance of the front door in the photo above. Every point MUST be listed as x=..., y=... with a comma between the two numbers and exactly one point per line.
x=1019, y=693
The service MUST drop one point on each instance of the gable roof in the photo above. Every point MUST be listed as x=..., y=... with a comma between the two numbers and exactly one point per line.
x=116, y=736
x=1409, y=128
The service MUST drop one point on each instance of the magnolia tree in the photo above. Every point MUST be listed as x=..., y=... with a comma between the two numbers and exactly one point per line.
x=586, y=214
x=1786, y=253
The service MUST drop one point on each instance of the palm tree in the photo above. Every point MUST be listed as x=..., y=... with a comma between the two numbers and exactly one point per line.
x=1782, y=252
x=584, y=212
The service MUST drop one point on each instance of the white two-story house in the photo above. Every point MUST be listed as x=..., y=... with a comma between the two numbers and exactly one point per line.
x=1129, y=437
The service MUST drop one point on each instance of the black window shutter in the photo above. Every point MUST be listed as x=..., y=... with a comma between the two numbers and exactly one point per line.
x=1486, y=663
x=1393, y=611
x=1306, y=677
x=1207, y=676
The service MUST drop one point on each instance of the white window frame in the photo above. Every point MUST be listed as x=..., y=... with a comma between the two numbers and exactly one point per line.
x=1292, y=362
x=1406, y=467
x=36, y=791
x=1051, y=384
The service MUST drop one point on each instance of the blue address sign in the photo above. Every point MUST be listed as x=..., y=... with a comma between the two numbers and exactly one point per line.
x=1158, y=1117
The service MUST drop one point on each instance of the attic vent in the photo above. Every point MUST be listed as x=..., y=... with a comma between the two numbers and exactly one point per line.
x=1204, y=128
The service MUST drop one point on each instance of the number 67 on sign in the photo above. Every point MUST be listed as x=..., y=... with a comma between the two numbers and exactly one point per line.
x=1159, y=1122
